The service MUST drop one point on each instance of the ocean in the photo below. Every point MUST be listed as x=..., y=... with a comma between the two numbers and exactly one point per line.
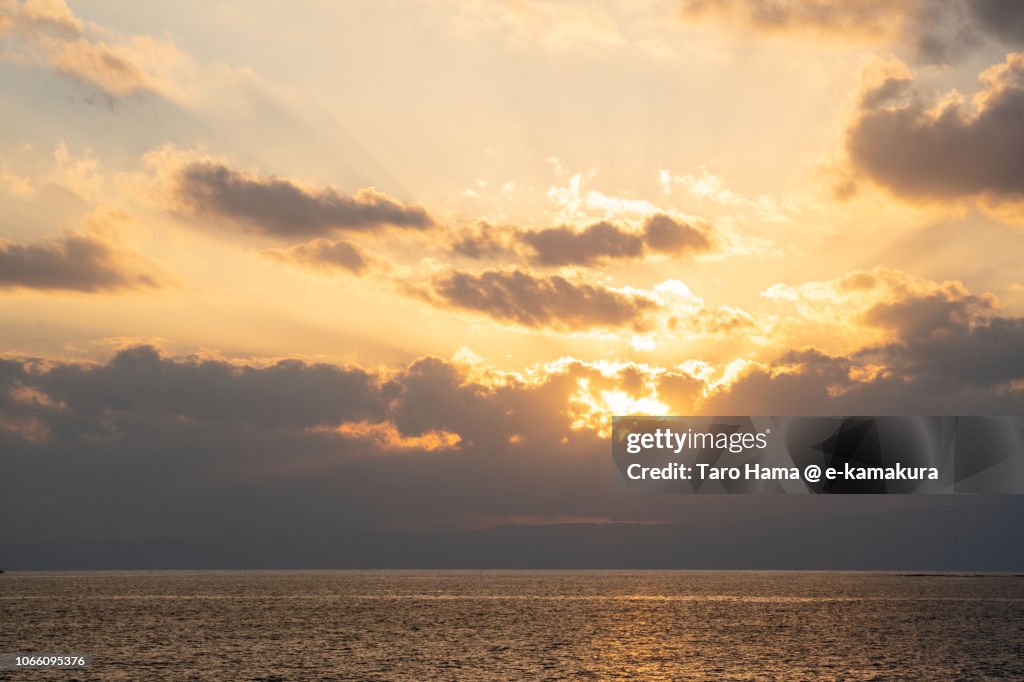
x=512, y=625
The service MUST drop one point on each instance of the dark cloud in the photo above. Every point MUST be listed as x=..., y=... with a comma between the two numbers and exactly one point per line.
x=191, y=446
x=604, y=241
x=664, y=234
x=942, y=31
x=140, y=382
x=832, y=16
x=916, y=381
x=951, y=355
x=804, y=391
x=949, y=154
x=280, y=208
x=926, y=315
x=600, y=241
x=946, y=30
x=541, y=301
x=325, y=254
x=936, y=30
x=1001, y=18
x=72, y=262
x=985, y=355
x=484, y=241
x=164, y=462
x=139, y=387
x=893, y=88
x=594, y=244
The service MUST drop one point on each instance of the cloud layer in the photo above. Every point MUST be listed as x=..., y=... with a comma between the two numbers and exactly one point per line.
x=312, y=455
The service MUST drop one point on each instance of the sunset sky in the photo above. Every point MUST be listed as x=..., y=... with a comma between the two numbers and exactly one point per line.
x=372, y=267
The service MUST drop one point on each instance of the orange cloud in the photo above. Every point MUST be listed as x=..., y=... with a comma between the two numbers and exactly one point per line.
x=113, y=65
x=386, y=436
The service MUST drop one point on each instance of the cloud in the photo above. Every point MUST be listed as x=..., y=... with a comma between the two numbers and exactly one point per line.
x=14, y=183
x=941, y=350
x=944, y=31
x=668, y=310
x=50, y=16
x=433, y=406
x=871, y=307
x=854, y=293
x=604, y=241
x=564, y=246
x=140, y=383
x=578, y=204
x=663, y=234
x=279, y=207
x=1002, y=18
x=71, y=262
x=936, y=30
x=325, y=254
x=832, y=17
x=386, y=436
x=944, y=151
x=110, y=64
x=484, y=241
x=924, y=316
x=430, y=405
x=968, y=369
x=539, y=301
x=708, y=186
x=597, y=243
x=198, y=447
x=949, y=341
x=327, y=461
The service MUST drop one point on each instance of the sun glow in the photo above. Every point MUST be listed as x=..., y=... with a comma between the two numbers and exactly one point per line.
x=591, y=408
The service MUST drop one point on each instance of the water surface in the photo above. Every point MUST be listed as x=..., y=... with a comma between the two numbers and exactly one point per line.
x=494, y=625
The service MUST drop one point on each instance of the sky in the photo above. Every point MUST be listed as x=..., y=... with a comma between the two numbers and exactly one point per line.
x=361, y=283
